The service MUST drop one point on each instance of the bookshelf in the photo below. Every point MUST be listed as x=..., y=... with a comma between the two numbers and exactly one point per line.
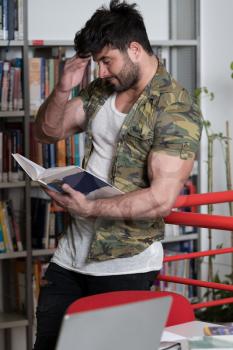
x=10, y=317
x=178, y=50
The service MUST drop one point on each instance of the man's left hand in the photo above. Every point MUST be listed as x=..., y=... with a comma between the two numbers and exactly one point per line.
x=71, y=200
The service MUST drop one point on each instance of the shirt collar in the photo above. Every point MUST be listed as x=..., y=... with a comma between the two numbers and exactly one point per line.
x=160, y=81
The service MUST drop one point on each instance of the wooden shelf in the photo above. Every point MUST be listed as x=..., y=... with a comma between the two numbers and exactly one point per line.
x=169, y=42
x=11, y=114
x=12, y=184
x=41, y=43
x=174, y=43
x=11, y=320
x=13, y=255
x=23, y=254
x=42, y=252
x=11, y=43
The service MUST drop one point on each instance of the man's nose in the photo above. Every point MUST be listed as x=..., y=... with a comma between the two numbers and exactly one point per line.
x=103, y=71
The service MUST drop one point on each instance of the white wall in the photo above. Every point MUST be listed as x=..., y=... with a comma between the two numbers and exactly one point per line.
x=60, y=20
x=216, y=55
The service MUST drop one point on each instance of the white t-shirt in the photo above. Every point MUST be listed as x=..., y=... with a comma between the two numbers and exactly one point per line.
x=73, y=247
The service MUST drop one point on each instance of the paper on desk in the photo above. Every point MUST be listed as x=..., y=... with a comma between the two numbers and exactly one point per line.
x=223, y=342
x=169, y=336
x=176, y=338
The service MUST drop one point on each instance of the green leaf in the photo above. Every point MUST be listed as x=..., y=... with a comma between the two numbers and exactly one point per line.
x=212, y=95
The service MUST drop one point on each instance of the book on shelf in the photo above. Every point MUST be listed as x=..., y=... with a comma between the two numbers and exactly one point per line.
x=39, y=268
x=44, y=74
x=6, y=228
x=218, y=330
x=10, y=235
x=11, y=84
x=180, y=268
x=40, y=209
x=2, y=243
x=1, y=155
x=16, y=234
x=11, y=21
x=79, y=179
x=11, y=141
x=5, y=19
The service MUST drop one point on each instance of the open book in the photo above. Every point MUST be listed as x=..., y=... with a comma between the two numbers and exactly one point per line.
x=79, y=179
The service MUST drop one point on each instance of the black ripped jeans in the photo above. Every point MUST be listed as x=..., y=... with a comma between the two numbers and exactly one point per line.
x=61, y=287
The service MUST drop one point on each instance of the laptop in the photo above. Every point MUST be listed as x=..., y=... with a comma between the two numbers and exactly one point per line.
x=134, y=326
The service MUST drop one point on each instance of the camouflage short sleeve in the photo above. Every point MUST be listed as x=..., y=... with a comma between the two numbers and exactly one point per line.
x=86, y=93
x=95, y=94
x=178, y=125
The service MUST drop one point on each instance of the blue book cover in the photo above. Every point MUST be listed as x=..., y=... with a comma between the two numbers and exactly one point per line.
x=79, y=179
x=2, y=244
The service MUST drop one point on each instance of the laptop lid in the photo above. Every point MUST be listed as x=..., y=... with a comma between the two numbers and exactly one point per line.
x=133, y=326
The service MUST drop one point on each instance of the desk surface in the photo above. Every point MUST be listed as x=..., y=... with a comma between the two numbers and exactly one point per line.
x=189, y=329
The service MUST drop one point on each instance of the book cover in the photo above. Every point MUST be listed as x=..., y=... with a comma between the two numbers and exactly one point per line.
x=20, y=20
x=218, y=330
x=39, y=214
x=5, y=85
x=1, y=155
x=1, y=24
x=11, y=19
x=2, y=243
x=35, y=67
x=78, y=178
x=5, y=228
x=5, y=18
x=15, y=227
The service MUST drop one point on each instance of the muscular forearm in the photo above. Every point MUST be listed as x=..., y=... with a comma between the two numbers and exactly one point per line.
x=50, y=117
x=149, y=203
x=142, y=204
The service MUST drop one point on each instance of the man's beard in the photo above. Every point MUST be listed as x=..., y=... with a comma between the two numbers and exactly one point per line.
x=127, y=78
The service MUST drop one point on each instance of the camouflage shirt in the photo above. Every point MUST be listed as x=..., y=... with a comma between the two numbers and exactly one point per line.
x=163, y=119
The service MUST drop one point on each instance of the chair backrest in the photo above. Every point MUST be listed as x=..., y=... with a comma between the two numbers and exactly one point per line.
x=181, y=310
x=133, y=325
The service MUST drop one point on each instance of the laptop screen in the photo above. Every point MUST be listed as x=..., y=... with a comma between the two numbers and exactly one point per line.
x=136, y=326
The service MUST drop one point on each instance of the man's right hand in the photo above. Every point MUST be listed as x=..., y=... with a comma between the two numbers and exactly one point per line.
x=73, y=72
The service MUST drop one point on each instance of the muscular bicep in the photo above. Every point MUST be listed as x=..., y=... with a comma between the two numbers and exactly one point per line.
x=167, y=176
x=55, y=122
x=74, y=117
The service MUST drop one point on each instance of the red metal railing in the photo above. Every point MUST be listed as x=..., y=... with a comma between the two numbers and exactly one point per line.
x=205, y=221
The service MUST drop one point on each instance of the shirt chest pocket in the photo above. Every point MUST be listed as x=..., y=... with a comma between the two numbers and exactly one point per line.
x=139, y=141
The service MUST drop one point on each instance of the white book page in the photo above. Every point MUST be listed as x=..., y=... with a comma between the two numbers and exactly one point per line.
x=57, y=170
x=32, y=169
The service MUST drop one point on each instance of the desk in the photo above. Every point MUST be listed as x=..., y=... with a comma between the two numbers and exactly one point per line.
x=189, y=329
x=181, y=333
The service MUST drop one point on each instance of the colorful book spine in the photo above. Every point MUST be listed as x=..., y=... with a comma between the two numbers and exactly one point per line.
x=20, y=19
x=2, y=243
x=5, y=17
x=218, y=330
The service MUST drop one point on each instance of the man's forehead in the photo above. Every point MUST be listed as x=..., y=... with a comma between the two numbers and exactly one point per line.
x=107, y=51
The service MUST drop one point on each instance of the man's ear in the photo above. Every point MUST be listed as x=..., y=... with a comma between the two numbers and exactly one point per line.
x=134, y=51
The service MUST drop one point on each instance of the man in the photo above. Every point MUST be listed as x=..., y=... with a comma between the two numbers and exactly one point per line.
x=142, y=133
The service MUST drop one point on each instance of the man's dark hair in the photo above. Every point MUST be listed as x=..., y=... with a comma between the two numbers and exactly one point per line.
x=115, y=27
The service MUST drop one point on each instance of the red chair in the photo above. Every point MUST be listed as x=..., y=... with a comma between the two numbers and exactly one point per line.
x=181, y=310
